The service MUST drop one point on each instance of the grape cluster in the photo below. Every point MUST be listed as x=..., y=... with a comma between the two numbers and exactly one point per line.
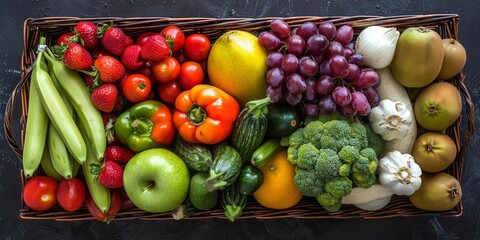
x=317, y=68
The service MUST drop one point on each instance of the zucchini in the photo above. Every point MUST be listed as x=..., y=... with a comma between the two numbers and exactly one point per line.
x=233, y=202
x=282, y=120
x=198, y=194
x=249, y=180
x=225, y=168
x=250, y=128
x=265, y=152
x=196, y=156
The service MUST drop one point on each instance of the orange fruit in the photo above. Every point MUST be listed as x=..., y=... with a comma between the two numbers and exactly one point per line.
x=278, y=190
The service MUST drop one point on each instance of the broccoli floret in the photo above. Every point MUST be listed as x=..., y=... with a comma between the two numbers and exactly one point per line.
x=296, y=139
x=358, y=136
x=349, y=154
x=308, y=183
x=307, y=155
x=313, y=133
x=336, y=135
x=365, y=182
x=292, y=155
x=339, y=187
x=345, y=169
x=361, y=165
x=328, y=164
x=375, y=141
x=329, y=202
x=285, y=141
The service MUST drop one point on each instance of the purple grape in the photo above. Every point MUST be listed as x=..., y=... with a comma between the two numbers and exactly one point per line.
x=306, y=30
x=328, y=29
x=357, y=59
x=324, y=68
x=311, y=109
x=296, y=83
x=372, y=96
x=338, y=66
x=350, y=45
x=326, y=104
x=316, y=44
x=320, y=58
x=309, y=94
x=348, y=111
x=359, y=101
x=295, y=45
x=324, y=85
x=275, y=93
x=274, y=59
x=365, y=112
x=307, y=66
x=334, y=48
x=341, y=95
x=289, y=63
x=275, y=77
x=348, y=52
x=280, y=28
x=293, y=99
x=353, y=72
x=269, y=40
x=344, y=35
x=367, y=78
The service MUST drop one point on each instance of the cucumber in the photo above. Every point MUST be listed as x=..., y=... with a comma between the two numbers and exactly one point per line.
x=250, y=128
x=265, y=152
x=198, y=194
x=249, y=180
x=233, y=202
x=225, y=168
x=196, y=156
x=282, y=120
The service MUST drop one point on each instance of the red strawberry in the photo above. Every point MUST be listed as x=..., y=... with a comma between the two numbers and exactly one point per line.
x=131, y=58
x=104, y=97
x=109, y=68
x=114, y=40
x=110, y=175
x=109, y=123
x=155, y=48
x=120, y=103
x=89, y=80
x=98, y=52
x=120, y=81
x=118, y=154
x=128, y=41
x=87, y=31
x=76, y=57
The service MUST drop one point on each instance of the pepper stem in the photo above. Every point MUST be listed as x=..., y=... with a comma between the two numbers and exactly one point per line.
x=196, y=115
x=142, y=126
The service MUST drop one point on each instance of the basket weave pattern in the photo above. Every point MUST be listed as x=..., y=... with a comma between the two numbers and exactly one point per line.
x=52, y=27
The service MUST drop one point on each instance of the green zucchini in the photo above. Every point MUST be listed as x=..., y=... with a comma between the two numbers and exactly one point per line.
x=249, y=180
x=196, y=156
x=282, y=120
x=250, y=128
x=265, y=152
x=233, y=202
x=225, y=168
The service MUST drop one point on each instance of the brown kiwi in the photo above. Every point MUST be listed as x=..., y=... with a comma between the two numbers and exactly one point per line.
x=439, y=192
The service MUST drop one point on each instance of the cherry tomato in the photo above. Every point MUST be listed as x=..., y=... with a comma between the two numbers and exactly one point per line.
x=175, y=35
x=117, y=199
x=71, y=194
x=64, y=38
x=168, y=92
x=143, y=38
x=40, y=193
x=167, y=70
x=136, y=88
x=191, y=74
x=197, y=47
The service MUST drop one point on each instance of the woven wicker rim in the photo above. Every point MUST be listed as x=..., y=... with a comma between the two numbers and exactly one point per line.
x=51, y=27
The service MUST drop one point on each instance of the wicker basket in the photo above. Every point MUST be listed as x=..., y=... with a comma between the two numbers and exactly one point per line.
x=446, y=25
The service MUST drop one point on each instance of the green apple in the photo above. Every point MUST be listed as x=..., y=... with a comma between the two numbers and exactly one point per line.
x=156, y=180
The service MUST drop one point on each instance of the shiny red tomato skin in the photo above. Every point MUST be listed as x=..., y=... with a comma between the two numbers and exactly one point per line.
x=166, y=71
x=168, y=92
x=71, y=194
x=191, y=74
x=40, y=193
x=176, y=35
x=136, y=88
x=197, y=47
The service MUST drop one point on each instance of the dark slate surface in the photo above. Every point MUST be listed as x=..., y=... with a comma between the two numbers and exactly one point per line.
x=13, y=13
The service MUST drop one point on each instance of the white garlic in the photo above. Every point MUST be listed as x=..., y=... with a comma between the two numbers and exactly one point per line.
x=391, y=120
x=400, y=173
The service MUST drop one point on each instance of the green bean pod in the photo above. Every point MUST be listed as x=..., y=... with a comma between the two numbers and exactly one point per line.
x=77, y=92
x=37, y=124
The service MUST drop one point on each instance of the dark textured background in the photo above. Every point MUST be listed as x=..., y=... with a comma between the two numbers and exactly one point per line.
x=13, y=13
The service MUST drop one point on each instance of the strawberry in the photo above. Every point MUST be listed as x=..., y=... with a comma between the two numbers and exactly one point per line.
x=114, y=40
x=89, y=80
x=118, y=154
x=120, y=102
x=131, y=58
x=155, y=48
x=109, y=68
x=104, y=97
x=76, y=57
x=87, y=32
x=110, y=174
x=109, y=123
x=98, y=52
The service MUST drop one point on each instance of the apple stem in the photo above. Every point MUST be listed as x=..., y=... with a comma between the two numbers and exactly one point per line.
x=149, y=185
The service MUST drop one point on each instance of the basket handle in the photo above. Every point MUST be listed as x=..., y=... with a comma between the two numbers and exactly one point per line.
x=9, y=109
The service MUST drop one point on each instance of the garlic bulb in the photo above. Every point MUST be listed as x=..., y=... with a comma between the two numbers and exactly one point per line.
x=399, y=173
x=377, y=45
x=391, y=120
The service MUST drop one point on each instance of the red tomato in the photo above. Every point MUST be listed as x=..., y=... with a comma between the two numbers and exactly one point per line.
x=136, y=88
x=64, y=38
x=197, y=47
x=191, y=74
x=40, y=193
x=168, y=92
x=143, y=38
x=117, y=199
x=167, y=70
x=175, y=35
x=71, y=194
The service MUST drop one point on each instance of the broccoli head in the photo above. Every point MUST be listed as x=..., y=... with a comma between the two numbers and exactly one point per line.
x=329, y=202
x=328, y=164
x=308, y=182
x=339, y=187
x=307, y=155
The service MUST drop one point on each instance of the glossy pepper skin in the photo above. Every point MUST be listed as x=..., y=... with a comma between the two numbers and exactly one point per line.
x=146, y=125
x=205, y=114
